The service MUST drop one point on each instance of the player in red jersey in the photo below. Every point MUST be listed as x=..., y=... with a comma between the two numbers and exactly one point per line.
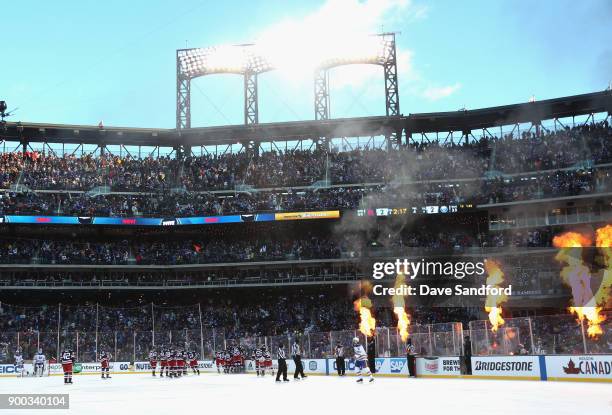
x=226, y=361
x=259, y=360
x=180, y=363
x=153, y=362
x=67, y=360
x=193, y=361
x=235, y=359
x=165, y=362
x=105, y=364
x=186, y=362
x=267, y=360
x=172, y=362
x=219, y=362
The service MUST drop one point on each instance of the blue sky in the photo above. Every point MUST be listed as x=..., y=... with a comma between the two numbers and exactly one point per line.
x=80, y=62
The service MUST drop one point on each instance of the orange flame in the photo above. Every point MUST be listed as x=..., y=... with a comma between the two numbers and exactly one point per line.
x=403, y=320
x=367, y=323
x=493, y=302
x=603, y=240
x=578, y=277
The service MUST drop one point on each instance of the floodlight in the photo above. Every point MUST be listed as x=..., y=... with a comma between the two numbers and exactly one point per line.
x=293, y=56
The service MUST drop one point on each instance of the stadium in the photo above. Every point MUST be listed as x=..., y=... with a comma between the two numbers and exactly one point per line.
x=467, y=252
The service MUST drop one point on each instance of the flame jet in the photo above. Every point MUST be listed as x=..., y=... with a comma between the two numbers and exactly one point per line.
x=577, y=275
x=363, y=305
x=399, y=304
x=493, y=302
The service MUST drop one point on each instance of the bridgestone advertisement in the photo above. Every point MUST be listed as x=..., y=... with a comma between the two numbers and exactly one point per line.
x=507, y=366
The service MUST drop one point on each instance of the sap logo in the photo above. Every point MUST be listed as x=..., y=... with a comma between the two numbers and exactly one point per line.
x=7, y=369
x=378, y=364
x=312, y=365
x=397, y=365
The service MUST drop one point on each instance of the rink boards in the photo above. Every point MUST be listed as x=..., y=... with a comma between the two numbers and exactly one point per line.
x=594, y=368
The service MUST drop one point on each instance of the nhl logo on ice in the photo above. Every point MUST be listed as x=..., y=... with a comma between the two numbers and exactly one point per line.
x=312, y=365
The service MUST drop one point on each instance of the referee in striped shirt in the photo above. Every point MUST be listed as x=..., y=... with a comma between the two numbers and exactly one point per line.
x=282, y=364
x=297, y=359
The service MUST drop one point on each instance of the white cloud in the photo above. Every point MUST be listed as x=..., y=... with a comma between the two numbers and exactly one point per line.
x=435, y=93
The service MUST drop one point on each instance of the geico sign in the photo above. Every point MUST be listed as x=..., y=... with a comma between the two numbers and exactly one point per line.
x=4, y=369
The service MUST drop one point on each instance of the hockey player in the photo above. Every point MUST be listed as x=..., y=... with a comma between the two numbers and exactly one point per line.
x=168, y=354
x=227, y=357
x=259, y=361
x=185, y=362
x=18, y=363
x=105, y=364
x=172, y=362
x=361, y=361
x=67, y=360
x=235, y=359
x=163, y=362
x=180, y=360
x=39, y=363
x=219, y=361
x=193, y=361
x=153, y=362
x=267, y=360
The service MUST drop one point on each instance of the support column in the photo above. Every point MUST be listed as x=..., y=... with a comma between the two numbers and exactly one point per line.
x=251, y=106
x=390, y=72
x=183, y=100
x=321, y=94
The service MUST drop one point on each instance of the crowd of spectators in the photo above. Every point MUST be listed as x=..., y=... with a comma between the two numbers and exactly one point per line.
x=183, y=204
x=547, y=150
x=271, y=242
x=164, y=252
x=554, y=149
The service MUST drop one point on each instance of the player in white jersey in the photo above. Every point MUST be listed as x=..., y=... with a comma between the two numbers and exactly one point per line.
x=361, y=361
x=39, y=363
x=18, y=363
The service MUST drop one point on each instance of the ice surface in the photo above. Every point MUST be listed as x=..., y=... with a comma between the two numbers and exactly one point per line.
x=249, y=395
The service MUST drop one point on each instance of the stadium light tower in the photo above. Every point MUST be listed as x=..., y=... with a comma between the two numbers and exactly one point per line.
x=250, y=60
x=236, y=59
x=378, y=49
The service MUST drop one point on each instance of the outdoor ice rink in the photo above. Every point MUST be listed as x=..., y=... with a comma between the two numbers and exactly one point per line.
x=247, y=394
